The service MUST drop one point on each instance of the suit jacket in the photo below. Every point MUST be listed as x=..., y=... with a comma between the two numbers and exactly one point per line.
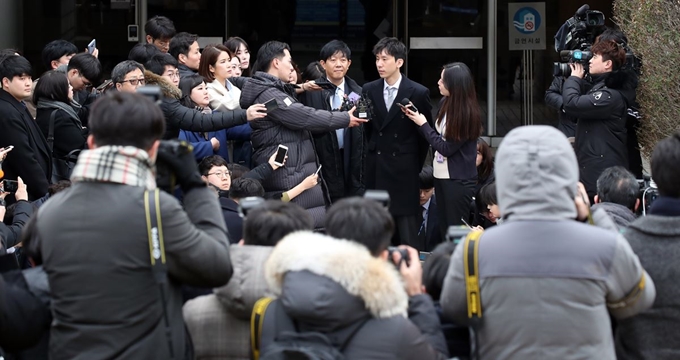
x=396, y=151
x=433, y=236
x=30, y=158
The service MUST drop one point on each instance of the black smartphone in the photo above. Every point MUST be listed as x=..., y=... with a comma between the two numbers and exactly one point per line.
x=280, y=155
x=271, y=105
x=10, y=186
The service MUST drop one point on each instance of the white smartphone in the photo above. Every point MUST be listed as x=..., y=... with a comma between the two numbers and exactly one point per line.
x=91, y=46
x=8, y=148
x=317, y=170
x=281, y=153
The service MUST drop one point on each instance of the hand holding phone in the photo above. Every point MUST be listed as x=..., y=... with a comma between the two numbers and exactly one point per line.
x=271, y=105
x=281, y=153
x=92, y=46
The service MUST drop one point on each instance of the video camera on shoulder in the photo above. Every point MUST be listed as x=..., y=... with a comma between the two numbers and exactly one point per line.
x=648, y=193
x=457, y=233
x=575, y=46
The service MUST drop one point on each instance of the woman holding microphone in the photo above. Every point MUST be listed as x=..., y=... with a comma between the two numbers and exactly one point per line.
x=458, y=126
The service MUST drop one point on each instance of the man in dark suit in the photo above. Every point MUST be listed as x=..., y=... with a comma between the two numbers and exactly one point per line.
x=429, y=234
x=340, y=151
x=396, y=151
x=30, y=158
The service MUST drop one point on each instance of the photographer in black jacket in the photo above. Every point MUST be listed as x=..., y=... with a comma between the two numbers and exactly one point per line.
x=601, y=134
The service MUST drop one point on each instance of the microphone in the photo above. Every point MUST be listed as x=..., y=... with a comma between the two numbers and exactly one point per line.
x=407, y=103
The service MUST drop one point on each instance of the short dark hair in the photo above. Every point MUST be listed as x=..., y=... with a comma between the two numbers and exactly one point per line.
x=485, y=169
x=14, y=66
x=209, y=162
x=186, y=84
x=487, y=194
x=53, y=85
x=123, y=68
x=362, y=220
x=88, y=66
x=665, y=160
x=209, y=57
x=313, y=71
x=270, y=222
x=237, y=170
x=58, y=187
x=619, y=186
x=333, y=47
x=126, y=119
x=245, y=187
x=268, y=52
x=392, y=46
x=181, y=43
x=158, y=62
x=141, y=53
x=435, y=268
x=426, y=177
x=160, y=27
x=54, y=50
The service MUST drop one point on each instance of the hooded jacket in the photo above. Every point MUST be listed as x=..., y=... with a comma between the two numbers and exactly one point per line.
x=178, y=117
x=333, y=286
x=227, y=311
x=546, y=280
x=602, y=133
x=289, y=124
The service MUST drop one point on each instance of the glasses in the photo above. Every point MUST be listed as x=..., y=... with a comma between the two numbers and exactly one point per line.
x=134, y=82
x=221, y=174
x=172, y=75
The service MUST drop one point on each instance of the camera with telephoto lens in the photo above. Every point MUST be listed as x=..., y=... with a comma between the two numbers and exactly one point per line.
x=575, y=46
x=165, y=178
x=405, y=257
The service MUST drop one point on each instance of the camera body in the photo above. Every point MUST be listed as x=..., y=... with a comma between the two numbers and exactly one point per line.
x=575, y=46
x=165, y=178
x=647, y=194
x=249, y=203
x=405, y=257
x=381, y=196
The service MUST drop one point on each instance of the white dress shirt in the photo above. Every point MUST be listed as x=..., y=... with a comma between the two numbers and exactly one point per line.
x=386, y=93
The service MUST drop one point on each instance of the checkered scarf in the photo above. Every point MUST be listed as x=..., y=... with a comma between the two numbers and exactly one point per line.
x=115, y=164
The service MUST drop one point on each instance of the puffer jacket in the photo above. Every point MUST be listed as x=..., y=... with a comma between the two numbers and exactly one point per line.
x=289, y=124
x=548, y=282
x=227, y=311
x=178, y=117
x=335, y=287
x=602, y=131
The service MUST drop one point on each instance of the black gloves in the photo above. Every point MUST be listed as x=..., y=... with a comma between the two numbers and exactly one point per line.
x=176, y=164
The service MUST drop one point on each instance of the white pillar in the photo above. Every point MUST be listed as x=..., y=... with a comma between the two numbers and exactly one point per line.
x=492, y=27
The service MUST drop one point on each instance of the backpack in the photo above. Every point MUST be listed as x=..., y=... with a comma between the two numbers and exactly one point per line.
x=293, y=345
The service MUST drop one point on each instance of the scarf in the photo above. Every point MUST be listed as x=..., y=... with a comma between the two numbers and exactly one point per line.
x=51, y=104
x=125, y=165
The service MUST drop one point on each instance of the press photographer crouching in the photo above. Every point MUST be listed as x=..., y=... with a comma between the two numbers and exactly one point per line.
x=601, y=134
x=111, y=298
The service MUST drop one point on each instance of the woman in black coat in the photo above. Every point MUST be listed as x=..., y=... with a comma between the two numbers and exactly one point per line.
x=53, y=95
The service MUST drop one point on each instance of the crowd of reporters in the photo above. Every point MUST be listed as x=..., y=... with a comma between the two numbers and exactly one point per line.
x=101, y=264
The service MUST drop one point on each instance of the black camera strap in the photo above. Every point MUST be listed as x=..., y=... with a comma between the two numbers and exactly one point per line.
x=157, y=252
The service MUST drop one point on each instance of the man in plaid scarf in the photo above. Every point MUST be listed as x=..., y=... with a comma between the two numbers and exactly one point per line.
x=95, y=246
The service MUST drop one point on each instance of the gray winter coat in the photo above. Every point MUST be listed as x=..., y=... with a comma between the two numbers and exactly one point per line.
x=333, y=286
x=548, y=283
x=655, y=333
x=290, y=125
x=105, y=301
x=227, y=311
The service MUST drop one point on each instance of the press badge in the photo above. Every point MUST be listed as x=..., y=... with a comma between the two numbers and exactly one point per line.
x=439, y=158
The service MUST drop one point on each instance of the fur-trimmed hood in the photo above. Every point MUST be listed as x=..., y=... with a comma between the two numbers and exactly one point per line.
x=333, y=282
x=169, y=90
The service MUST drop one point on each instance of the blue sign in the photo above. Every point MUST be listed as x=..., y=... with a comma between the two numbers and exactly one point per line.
x=527, y=20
